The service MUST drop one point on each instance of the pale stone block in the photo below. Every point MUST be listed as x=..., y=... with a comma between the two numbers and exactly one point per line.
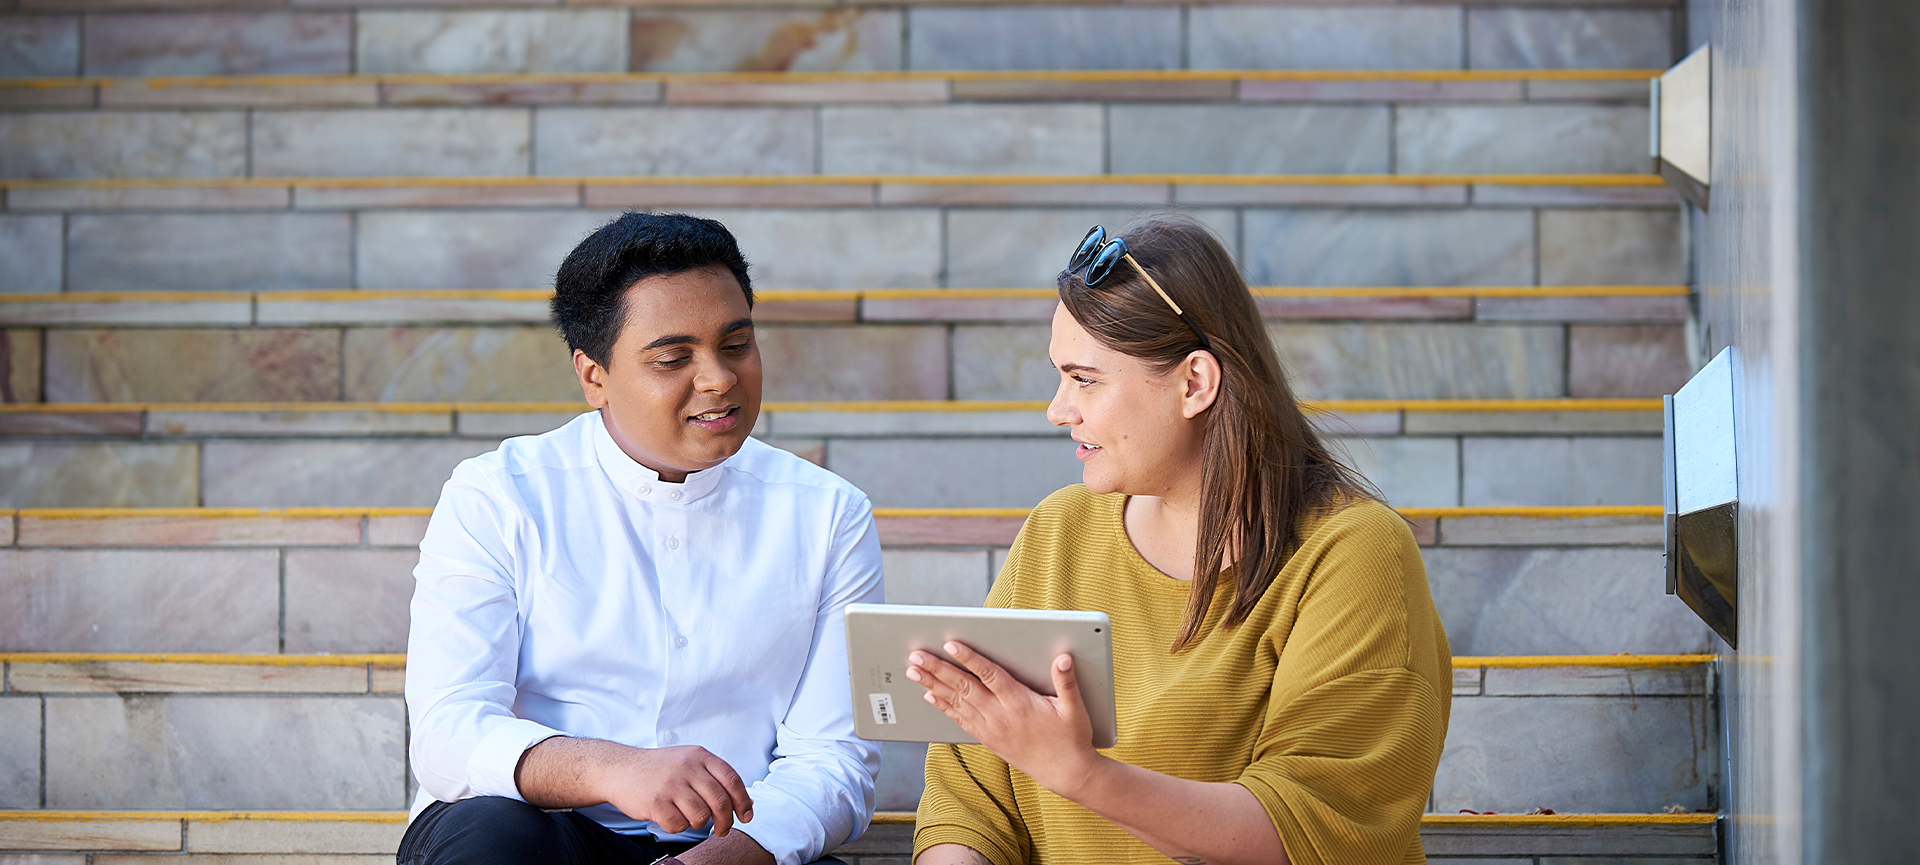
x=1359, y=305
x=1028, y=247
x=520, y=92
x=948, y=308
x=1359, y=37
x=124, y=144
x=999, y=362
x=50, y=420
x=192, y=365
x=265, y=753
x=907, y=423
x=962, y=139
x=140, y=601
x=1420, y=361
x=66, y=475
x=457, y=363
x=473, y=249
x=115, y=833
x=1253, y=89
x=348, y=601
x=7, y=531
x=1669, y=309
x=1467, y=683
x=356, y=198
x=902, y=777
x=1574, y=196
x=1559, y=601
x=1635, y=90
x=22, y=349
x=30, y=245
x=1577, y=754
x=1371, y=247
x=366, y=473
x=1348, y=194
x=39, y=46
x=808, y=92
x=1612, y=247
x=811, y=450
x=1641, y=361
x=648, y=141
x=1570, y=38
x=273, y=309
x=653, y=196
x=153, y=94
x=394, y=530
x=1354, y=423
x=1410, y=472
x=388, y=679
x=208, y=252
x=501, y=424
x=1559, y=531
x=947, y=531
x=114, y=677
x=20, y=751
x=572, y=40
x=143, y=530
x=70, y=95
x=322, y=422
x=955, y=473
x=251, y=859
x=60, y=309
x=765, y=40
x=1042, y=90
x=392, y=142
x=1044, y=37
x=953, y=578
x=1551, y=422
x=1561, y=471
x=147, y=199
x=894, y=248
x=1069, y=194
x=295, y=836
x=1248, y=139
x=854, y=363
x=219, y=43
x=1597, y=682
x=1520, y=139
x=45, y=858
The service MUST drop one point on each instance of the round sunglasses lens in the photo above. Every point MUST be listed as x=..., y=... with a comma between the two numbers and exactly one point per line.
x=1087, y=246
x=1105, y=260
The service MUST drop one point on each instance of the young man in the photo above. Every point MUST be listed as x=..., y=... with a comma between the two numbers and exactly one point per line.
x=638, y=616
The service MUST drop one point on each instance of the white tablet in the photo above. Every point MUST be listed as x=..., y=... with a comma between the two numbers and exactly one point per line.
x=888, y=706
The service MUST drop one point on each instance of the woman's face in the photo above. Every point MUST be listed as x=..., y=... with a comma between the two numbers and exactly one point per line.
x=1130, y=426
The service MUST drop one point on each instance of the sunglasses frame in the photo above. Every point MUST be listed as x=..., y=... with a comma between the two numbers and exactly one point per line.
x=1099, y=254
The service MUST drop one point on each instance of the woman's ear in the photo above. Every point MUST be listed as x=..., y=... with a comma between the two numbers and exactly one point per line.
x=1201, y=374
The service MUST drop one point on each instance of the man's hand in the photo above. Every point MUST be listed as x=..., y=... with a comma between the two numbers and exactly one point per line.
x=677, y=788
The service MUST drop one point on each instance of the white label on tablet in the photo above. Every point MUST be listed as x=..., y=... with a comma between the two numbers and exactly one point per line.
x=883, y=709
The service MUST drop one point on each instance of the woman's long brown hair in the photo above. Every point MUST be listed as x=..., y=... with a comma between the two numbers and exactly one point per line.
x=1263, y=466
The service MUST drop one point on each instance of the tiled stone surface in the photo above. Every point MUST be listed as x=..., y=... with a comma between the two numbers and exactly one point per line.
x=896, y=248
x=1626, y=361
x=396, y=530
x=681, y=196
x=1354, y=37
x=138, y=93
x=20, y=350
x=760, y=92
x=1596, y=681
x=1574, y=196
x=1612, y=247
x=1248, y=139
x=557, y=194
x=902, y=777
x=1561, y=471
x=348, y=600
x=220, y=43
x=1092, y=91
x=33, y=46
x=83, y=834
x=1027, y=248
x=765, y=40
x=1513, y=422
x=1421, y=361
x=1576, y=754
x=140, y=601
x=20, y=751
x=123, y=144
x=457, y=363
x=1519, y=139
x=897, y=423
x=1670, y=309
x=1003, y=362
x=520, y=92
x=1371, y=247
x=962, y=473
x=1380, y=91
x=108, y=677
x=472, y=249
x=1637, y=92
x=854, y=363
x=610, y=141
x=1570, y=38
x=573, y=40
x=500, y=424
x=299, y=422
x=191, y=365
x=956, y=578
x=332, y=837
x=208, y=252
x=1410, y=472
x=1559, y=601
x=961, y=139
x=331, y=473
x=30, y=245
x=391, y=142
x=1046, y=37
x=274, y=753
x=147, y=199
x=1568, y=531
x=60, y=475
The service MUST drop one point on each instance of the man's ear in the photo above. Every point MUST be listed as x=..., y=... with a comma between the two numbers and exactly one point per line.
x=1201, y=383
x=593, y=378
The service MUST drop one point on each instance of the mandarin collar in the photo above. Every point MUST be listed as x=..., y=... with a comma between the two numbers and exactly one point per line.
x=644, y=482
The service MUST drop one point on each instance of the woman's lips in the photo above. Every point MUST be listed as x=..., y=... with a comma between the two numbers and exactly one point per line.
x=726, y=420
x=1085, y=451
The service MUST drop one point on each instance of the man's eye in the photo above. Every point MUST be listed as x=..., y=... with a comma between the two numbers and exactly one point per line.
x=737, y=346
x=672, y=361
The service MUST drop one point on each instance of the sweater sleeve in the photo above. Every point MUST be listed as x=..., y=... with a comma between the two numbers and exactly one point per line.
x=1345, y=760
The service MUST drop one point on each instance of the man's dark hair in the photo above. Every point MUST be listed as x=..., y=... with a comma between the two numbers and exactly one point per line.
x=590, y=290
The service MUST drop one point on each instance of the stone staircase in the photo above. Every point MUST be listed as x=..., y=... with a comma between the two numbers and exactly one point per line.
x=270, y=272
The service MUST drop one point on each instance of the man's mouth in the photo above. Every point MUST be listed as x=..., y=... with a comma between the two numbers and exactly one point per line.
x=717, y=420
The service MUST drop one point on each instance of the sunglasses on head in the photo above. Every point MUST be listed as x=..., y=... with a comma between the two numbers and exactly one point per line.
x=1099, y=254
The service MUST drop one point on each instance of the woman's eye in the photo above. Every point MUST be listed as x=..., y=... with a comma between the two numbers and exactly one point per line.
x=1081, y=379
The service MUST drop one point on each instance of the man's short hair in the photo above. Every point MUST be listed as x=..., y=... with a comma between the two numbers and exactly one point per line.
x=590, y=289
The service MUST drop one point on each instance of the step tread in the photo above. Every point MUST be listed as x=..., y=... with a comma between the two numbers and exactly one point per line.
x=1583, y=179
x=1627, y=404
x=1464, y=662
x=880, y=818
x=309, y=80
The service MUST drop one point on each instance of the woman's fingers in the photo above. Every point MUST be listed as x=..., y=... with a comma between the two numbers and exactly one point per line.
x=989, y=673
x=1066, y=688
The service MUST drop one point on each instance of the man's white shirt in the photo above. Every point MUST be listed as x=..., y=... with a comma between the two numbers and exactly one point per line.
x=563, y=589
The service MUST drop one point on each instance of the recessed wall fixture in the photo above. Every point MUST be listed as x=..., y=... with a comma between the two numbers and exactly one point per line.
x=1702, y=495
x=1682, y=125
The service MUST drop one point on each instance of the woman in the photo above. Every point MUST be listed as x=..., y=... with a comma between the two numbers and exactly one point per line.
x=1281, y=677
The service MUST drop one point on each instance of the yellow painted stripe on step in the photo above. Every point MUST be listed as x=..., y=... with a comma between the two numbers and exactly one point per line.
x=1539, y=662
x=881, y=818
x=1502, y=662
x=788, y=295
x=1567, y=819
x=346, y=294
x=750, y=180
x=1346, y=406
x=215, y=513
x=1540, y=512
x=1537, y=512
x=1063, y=75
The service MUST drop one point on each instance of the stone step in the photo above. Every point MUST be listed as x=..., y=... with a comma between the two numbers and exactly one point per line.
x=1516, y=581
x=1420, y=453
x=351, y=838
x=1568, y=733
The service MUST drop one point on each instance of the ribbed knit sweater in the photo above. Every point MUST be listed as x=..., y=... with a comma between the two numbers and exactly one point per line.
x=1329, y=702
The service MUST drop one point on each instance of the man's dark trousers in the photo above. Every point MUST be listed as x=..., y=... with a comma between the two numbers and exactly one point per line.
x=493, y=830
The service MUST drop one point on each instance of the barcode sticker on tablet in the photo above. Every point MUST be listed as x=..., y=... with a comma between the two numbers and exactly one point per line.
x=883, y=709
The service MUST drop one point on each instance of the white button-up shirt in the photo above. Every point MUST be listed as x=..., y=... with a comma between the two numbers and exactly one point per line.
x=564, y=589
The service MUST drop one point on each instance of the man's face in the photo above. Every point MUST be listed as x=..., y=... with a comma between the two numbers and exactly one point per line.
x=681, y=388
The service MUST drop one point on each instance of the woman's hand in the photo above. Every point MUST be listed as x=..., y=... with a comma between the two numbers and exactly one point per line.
x=1049, y=738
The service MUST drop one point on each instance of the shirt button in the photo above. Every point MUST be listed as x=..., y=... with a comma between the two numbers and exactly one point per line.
x=673, y=543
x=675, y=495
x=646, y=490
x=669, y=738
x=680, y=641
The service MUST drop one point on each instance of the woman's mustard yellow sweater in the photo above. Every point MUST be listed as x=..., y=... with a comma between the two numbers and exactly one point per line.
x=1329, y=702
